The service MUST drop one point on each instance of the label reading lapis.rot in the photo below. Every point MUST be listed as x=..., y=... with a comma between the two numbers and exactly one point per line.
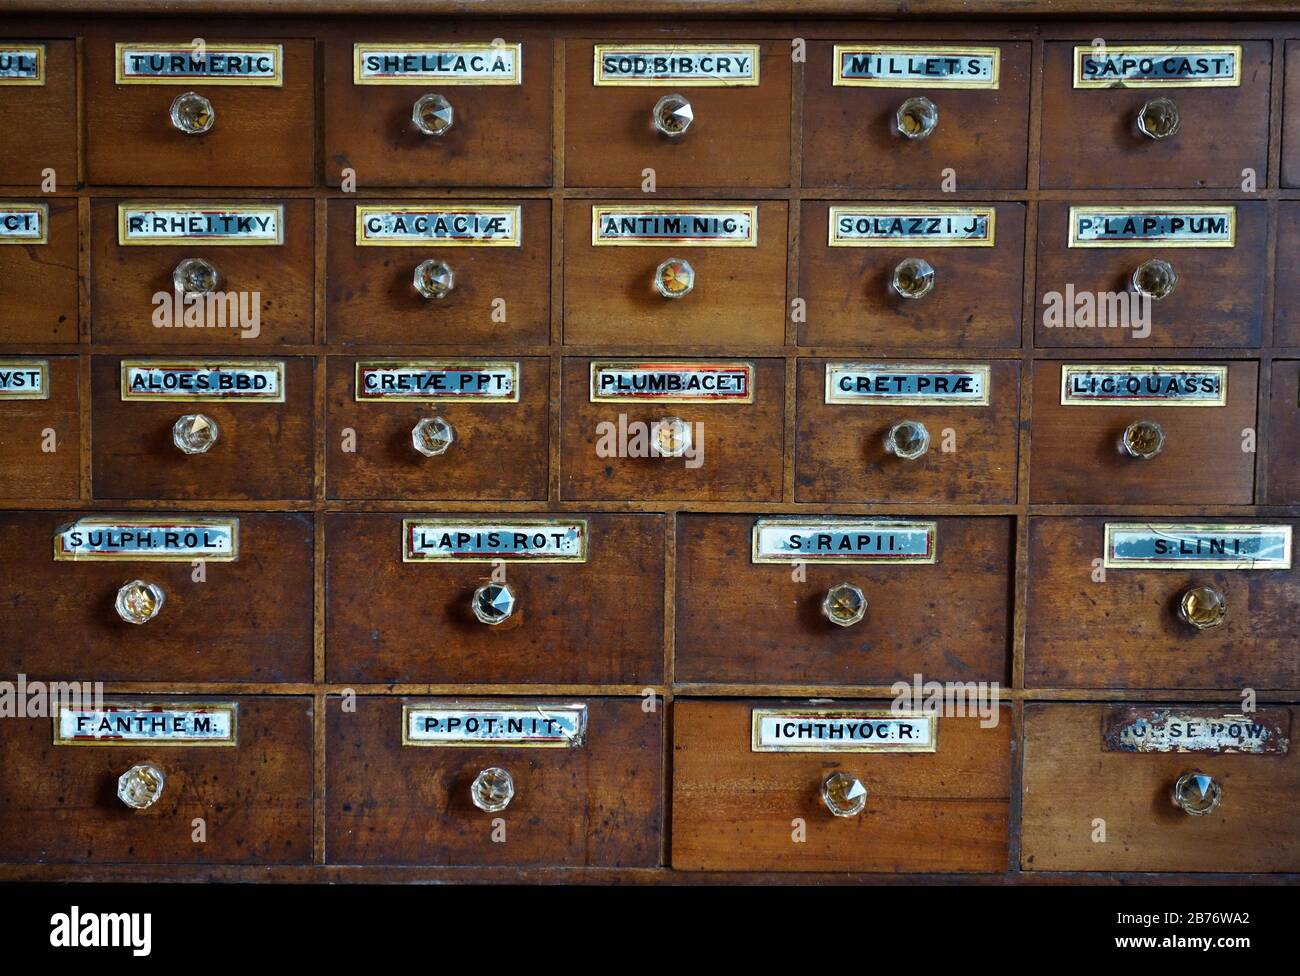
x=1144, y=385
x=448, y=64
x=485, y=540
x=682, y=65
x=24, y=379
x=106, y=538
x=1158, y=66
x=843, y=540
x=911, y=66
x=521, y=724
x=437, y=380
x=22, y=64
x=438, y=226
x=211, y=64
x=654, y=226
x=841, y=730
x=1172, y=226
x=150, y=723
x=199, y=380
x=1202, y=546
x=914, y=384
x=23, y=223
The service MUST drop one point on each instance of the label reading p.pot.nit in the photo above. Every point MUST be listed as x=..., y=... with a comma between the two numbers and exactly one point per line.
x=1149, y=225
x=437, y=381
x=1193, y=729
x=448, y=64
x=149, y=723
x=521, y=724
x=841, y=730
x=912, y=66
x=205, y=224
x=908, y=384
x=209, y=64
x=654, y=382
x=200, y=380
x=24, y=379
x=107, y=538
x=1178, y=545
x=682, y=65
x=1158, y=66
x=479, y=540
x=843, y=540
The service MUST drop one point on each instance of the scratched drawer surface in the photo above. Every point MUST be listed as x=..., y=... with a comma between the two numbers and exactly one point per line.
x=38, y=265
x=1291, y=117
x=1283, y=448
x=1286, y=307
x=38, y=101
x=40, y=427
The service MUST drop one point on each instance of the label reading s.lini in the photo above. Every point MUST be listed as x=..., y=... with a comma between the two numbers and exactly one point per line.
x=1144, y=384
x=22, y=64
x=917, y=384
x=24, y=379
x=843, y=540
x=485, y=540
x=649, y=226
x=909, y=66
x=154, y=723
x=437, y=226
x=841, y=730
x=652, y=382
x=449, y=64
x=437, y=380
x=535, y=724
x=202, y=379
x=1174, y=226
x=23, y=223
x=208, y=224
x=106, y=538
x=1194, y=729
x=211, y=64
x=924, y=226
x=683, y=65
x=1201, y=546
x=1158, y=66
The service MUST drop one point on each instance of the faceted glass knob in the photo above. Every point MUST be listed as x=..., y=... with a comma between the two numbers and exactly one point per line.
x=673, y=437
x=492, y=790
x=844, y=604
x=907, y=439
x=195, y=276
x=1203, y=607
x=913, y=278
x=1143, y=439
x=1159, y=119
x=1155, y=279
x=672, y=116
x=434, y=279
x=674, y=278
x=195, y=433
x=493, y=603
x=1197, y=793
x=844, y=794
x=432, y=436
x=139, y=602
x=141, y=786
x=917, y=117
x=192, y=114
x=433, y=114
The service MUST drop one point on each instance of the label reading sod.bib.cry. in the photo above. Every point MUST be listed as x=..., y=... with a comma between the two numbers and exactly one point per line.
x=1193, y=729
x=916, y=384
x=682, y=65
x=1158, y=66
x=654, y=382
x=1172, y=226
x=448, y=64
x=22, y=64
x=23, y=223
x=1200, y=546
x=843, y=540
x=24, y=379
x=478, y=540
x=651, y=226
x=209, y=64
x=841, y=730
x=204, y=380
x=106, y=538
x=1144, y=385
x=438, y=226
x=924, y=226
x=152, y=723
x=525, y=724
x=208, y=224
x=910, y=66
x=437, y=380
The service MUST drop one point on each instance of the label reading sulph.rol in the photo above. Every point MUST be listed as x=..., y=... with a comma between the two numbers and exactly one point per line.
x=843, y=540
x=122, y=723
x=199, y=380
x=437, y=381
x=910, y=66
x=23, y=223
x=1193, y=729
x=841, y=730
x=448, y=64
x=917, y=384
x=924, y=226
x=1183, y=546
x=1158, y=66
x=1173, y=226
x=438, y=226
x=209, y=224
x=22, y=64
x=1144, y=385
x=681, y=65
x=24, y=379
x=105, y=538
x=210, y=64
x=652, y=382
x=534, y=724
x=651, y=226
x=485, y=540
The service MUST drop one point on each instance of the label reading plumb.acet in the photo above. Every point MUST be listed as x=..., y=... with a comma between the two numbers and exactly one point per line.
x=1200, y=546
x=207, y=224
x=447, y=64
x=23, y=223
x=655, y=382
x=843, y=540
x=24, y=379
x=841, y=730
x=523, y=724
x=1194, y=729
x=681, y=65
x=1158, y=66
x=910, y=66
x=654, y=226
x=1172, y=226
x=199, y=380
x=437, y=380
x=437, y=226
x=209, y=64
x=106, y=538
x=22, y=64
x=1144, y=384
x=151, y=723
x=916, y=384
x=485, y=540
x=859, y=225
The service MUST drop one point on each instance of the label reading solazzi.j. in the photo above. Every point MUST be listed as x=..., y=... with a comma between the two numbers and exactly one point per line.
x=207, y=224
x=1158, y=66
x=522, y=724
x=654, y=382
x=128, y=723
x=447, y=64
x=211, y=64
x=682, y=65
x=437, y=226
x=437, y=381
x=1194, y=729
x=842, y=730
x=200, y=380
x=23, y=223
x=486, y=540
x=1171, y=226
x=912, y=66
x=107, y=538
x=915, y=384
x=22, y=64
x=1144, y=385
x=24, y=379
x=1177, y=545
x=654, y=226
x=843, y=540
x=882, y=225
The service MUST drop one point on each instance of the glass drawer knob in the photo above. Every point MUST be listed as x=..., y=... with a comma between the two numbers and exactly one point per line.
x=844, y=794
x=141, y=786
x=195, y=433
x=1203, y=607
x=1159, y=119
x=674, y=278
x=917, y=117
x=1143, y=439
x=138, y=602
x=673, y=437
x=907, y=439
x=433, y=114
x=195, y=276
x=432, y=436
x=434, y=279
x=672, y=116
x=1155, y=279
x=192, y=114
x=492, y=790
x=493, y=603
x=913, y=278
x=1197, y=793
x=844, y=604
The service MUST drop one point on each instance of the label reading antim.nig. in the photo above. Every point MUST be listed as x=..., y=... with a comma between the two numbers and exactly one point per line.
x=152, y=723
x=1201, y=546
x=1158, y=66
x=1173, y=226
x=437, y=226
x=655, y=382
x=843, y=540
x=448, y=64
x=1195, y=729
x=910, y=66
x=841, y=730
x=198, y=380
x=920, y=225
x=211, y=64
x=23, y=223
x=682, y=65
x=526, y=724
x=651, y=226
x=106, y=538
x=480, y=540
x=1144, y=385
x=24, y=379
x=22, y=64
x=207, y=224
x=437, y=380
x=917, y=384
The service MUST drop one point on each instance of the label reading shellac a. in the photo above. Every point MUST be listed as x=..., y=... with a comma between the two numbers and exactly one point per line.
x=924, y=226
x=654, y=226
x=206, y=224
x=522, y=724
x=1144, y=384
x=910, y=66
x=24, y=379
x=152, y=723
x=485, y=540
x=438, y=226
x=23, y=223
x=107, y=538
x=1193, y=729
x=1158, y=66
x=915, y=384
x=1173, y=226
x=682, y=65
x=22, y=64
x=448, y=64
x=210, y=64
x=437, y=380
x=843, y=540
x=653, y=382
x=199, y=380
x=841, y=730
x=1183, y=546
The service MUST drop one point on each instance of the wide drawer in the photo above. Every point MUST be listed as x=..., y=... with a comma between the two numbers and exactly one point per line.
x=38, y=270
x=40, y=428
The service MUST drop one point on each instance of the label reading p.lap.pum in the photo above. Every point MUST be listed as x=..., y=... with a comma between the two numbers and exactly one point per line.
x=908, y=384
x=199, y=380
x=887, y=225
x=654, y=226
x=108, y=538
x=682, y=65
x=478, y=540
x=841, y=730
x=151, y=723
x=522, y=724
x=210, y=64
x=1144, y=385
x=1147, y=225
x=22, y=64
x=437, y=226
x=843, y=540
x=23, y=223
x=1158, y=66
x=1196, y=729
x=437, y=380
x=910, y=66
x=207, y=224
x=1177, y=545
x=667, y=382
x=24, y=379
x=448, y=64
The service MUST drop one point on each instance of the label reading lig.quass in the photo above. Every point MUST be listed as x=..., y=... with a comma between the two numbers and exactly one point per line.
x=654, y=226
x=885, y=225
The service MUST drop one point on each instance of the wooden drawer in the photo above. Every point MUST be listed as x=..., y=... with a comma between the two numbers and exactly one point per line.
x=1217, y=299
x=735, y=444
x=246, y=620
x=498, y=412
x=1291, y=117
x=1084, y=780
x=38, y=282
x=40, y=436
x=738, y=298
x=1076, y=458
x=500, y=294
x=265, y=448
x=598, y=621
x=739, y=620
x=38, y=101
x=596, y=804
x=735, y=809
x=739, y=129
x=848, y=261
x=1091, y=135
x=969, y=413
x=1126, y=630
x=251, y=798
x=1286, y=298
x=262, y=133
x=1283, y=448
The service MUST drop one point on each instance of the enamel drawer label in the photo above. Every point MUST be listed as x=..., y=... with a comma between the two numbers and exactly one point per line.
x=486, y=540
x=925, y=226
x=651, y=382
x=208, y=224
x=431, y=226
x=1144, y=226
x=919, y=384
x=1183, y=729
x=22, y=64
x=437, y=380
x=198, y=380
x=1179, y=545
x=450, y=64
x=154, y=723
x=910, y=66
x=1149, y=385
x=1158, y=66
x=843, y=540
x=842, y=730
x=95, y=538
x=23, y=223
x=539, y=725
x=24, y=379
x=211, y=64
x=652, y=226
x=682, y=65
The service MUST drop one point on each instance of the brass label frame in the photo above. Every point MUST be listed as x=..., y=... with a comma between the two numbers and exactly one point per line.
x=189, y=206
x=228, y=522
x=671, y=366
x=228, y=708
x=834, y=239
x=467, y=741
x=515, y=212
x=840, y=398
x=226, y=47
x=1170, y=728
x=845, y=715
x=507, y=521
x=1071, y=369
x=1154, y=209
x=598, y=79
x=23, y=47
x=434, y=365
x=41, y=366
x=838, y=80
x=1227, y=563
x=42, y=210
x=126, y=365
x=361, y=48
x=1163, y=50
x=682, y=209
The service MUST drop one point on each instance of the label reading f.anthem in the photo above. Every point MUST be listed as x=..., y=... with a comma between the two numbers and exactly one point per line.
x=1144, y=385
x=653, y=226
x=438, y=226
x=1183, y=546
x=437, y=380
x=1158, y=66
x=1171, y=226
x=1194, y=729
x=916, y=384
x=843, y=540
x=523, y=724
x=211, y=64
x=656, y=382
x=154, y=723
x=24, y=379
x=907, y=66
x=208, y=224
x=880, y=225
x=841, y=730
x=23, y=223
x=106, y=538
x=682, y=65
x=198, y=380
x=22, y=64
x=448, y=64
x=480, y=540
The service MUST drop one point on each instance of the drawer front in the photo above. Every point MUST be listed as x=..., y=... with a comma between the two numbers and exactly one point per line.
x=608, y=447
x=739, y=810
x=1217, y=297
x=59, y=803
x=858, y=448
x=1077, y=785
x=500, y=133
x=1291, y=117
x=1284, y=434
x=264, y=294
x=598, y=621
x=763, y=622
x=1126, y=631
x=1076, y=457
x=1286, y=298
x=851, y=137
x=246, y=620
x=738, y=132
x=500, y=447
x=737, y=299
x=38, y=302
x=40, y=436
x=264, y=449
x=977, y=290
x=500, y=293
x=597, y=804
x=39, y=105
x=261, y=134
x=1222, y=131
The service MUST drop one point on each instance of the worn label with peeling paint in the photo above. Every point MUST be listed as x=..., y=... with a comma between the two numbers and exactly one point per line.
x=911, y=66
x=841, y=730
x=843, y=540
x=437, y=226
x=538, y=724
x=1183, y=729
x=137, y=539
x=155, y=723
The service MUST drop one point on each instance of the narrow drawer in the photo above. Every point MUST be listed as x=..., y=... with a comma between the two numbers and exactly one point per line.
x=1283, y=448
x=1286, y=297
x=38, y=101
x=40, y=428
x=1291, y=117
x=38, y=268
